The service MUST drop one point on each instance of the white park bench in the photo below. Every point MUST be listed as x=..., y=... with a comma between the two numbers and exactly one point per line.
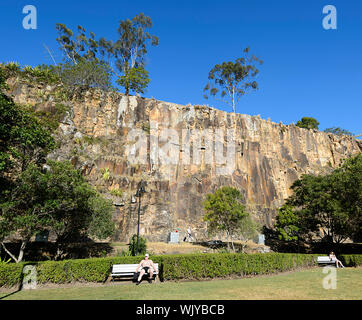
x=325, y=260
x=128, y=270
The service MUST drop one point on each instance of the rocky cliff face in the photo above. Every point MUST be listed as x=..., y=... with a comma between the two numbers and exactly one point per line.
x=182, y=153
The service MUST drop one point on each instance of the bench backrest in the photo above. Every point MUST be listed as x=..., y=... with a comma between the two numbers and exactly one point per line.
x=324, y=259
x=119, y=268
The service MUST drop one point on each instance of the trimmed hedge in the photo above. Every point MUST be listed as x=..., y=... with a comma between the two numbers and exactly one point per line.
x=84, y=270
x=171, y=267
x=227, y=264
x=10, y=274
x=351, y=260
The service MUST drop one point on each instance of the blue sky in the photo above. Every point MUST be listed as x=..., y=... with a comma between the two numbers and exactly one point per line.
x=307, y=70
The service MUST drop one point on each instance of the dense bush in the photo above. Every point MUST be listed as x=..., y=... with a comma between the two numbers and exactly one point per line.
x=86, y=74
x=83, y=270
x=171, y=267
x=196, y=266
x=142, y=245
x=10, y=274
x=351, y=260
x=44, y=73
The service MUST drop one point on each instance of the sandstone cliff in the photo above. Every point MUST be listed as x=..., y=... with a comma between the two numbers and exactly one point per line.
x=182, y=153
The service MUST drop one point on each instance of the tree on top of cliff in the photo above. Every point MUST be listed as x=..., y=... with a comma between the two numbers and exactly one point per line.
x=233, y=78
x=308, y=123
x=338, y=131
x=77, y=48
x=129, y=52
x=85, y=64
x=225, y=212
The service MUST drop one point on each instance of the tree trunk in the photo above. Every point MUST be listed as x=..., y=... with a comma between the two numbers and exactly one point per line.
x=234, y=100
x=21, y=252
x=59, y=253
x=8, y=252
x=228, y=242
x=22, y=249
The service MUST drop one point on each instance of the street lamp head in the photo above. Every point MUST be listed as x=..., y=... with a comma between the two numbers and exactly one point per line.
x=141, y=189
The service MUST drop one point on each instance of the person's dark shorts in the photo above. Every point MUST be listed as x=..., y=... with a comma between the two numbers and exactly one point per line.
x=146, y=269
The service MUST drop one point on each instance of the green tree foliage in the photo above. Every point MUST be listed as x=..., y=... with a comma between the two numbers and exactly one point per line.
x=56, y=199
x=90, y=62
x=129, y=52
x=76, y=47
x=87, y=74
x=84, y=64
x=234, y=79
x=308, y=123
x=287, y=223
x=33, y=200
x=338, y=131
x=225, y=212
x=347, y=187
x=136, y=80
x=327, y=206
x=23, y=137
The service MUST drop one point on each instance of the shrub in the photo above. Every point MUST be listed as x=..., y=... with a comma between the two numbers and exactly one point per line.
x=4, y=261
x=43, y=73
x=10, y=274
x=82, y=270
x=86, y=73
x=13, y=66
x=196, y=266
x=142, y=245
x=351, y=260
x=171, y=267
x=116, y=192
x=106, y=174
x=46, y=73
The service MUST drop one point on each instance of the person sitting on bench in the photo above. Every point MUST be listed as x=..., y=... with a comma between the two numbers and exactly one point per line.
x=333, y=257
x=147, y=267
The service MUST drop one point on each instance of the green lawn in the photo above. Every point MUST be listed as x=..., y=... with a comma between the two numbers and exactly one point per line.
x=301, y=285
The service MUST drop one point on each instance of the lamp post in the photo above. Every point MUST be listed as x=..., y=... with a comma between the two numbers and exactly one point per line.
x=139, y=193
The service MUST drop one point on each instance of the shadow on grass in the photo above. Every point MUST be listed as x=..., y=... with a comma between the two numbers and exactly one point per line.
x=16, y=291
x=10, y=294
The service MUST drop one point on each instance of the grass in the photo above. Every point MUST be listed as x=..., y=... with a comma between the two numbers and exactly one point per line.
x=160, y=248
x=300, y=285
x=174, y=248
